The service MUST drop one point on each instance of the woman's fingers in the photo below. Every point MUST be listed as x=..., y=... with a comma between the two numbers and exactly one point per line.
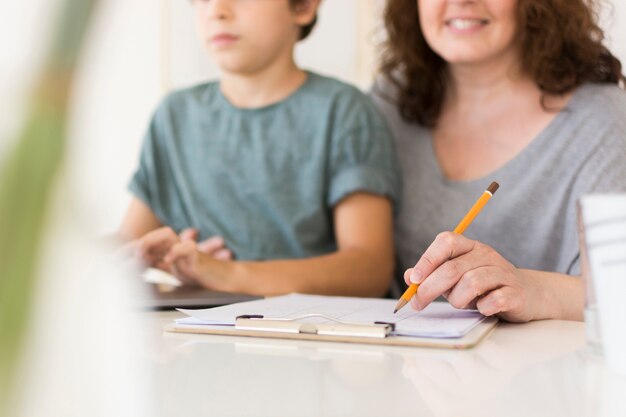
x=407, y=276
x=501, y=301
x=446, y=276
x=447, y=245
x=469, y=274
x=474, y=284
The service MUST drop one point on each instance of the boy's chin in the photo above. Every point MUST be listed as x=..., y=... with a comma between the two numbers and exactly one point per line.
x=233, y=66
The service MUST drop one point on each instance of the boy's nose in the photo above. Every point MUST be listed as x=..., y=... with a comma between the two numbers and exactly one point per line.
x=219, y=9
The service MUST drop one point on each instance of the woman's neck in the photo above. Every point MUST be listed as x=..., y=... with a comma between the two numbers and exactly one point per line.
x=262, y=88
x=489, y=116
x=475, y=87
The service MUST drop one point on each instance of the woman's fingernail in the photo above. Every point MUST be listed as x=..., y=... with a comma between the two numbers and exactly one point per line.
x=416, y=276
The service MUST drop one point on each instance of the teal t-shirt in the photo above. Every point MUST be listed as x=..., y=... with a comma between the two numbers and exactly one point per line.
x=265, y=179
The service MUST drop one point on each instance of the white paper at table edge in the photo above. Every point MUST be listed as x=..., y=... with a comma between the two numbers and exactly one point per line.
x=229, y=321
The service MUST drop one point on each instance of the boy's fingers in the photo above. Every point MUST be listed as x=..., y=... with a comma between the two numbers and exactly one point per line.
x=211, y=245
x=164, y=236
x=127, y=250
x=223, y=255
x=189, y=234
x=163, y=267
x=180, y=250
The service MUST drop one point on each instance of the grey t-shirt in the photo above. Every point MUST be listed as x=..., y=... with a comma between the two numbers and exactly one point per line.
x=265, y=179
x=531, y=220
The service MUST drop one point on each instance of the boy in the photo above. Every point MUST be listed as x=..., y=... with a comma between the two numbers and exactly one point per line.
x=292, y=170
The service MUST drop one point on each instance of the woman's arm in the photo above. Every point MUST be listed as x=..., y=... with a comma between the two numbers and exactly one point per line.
x=471, y=274
x=362, y=265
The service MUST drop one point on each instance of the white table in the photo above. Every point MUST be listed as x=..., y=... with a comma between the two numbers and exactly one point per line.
x=535, y=369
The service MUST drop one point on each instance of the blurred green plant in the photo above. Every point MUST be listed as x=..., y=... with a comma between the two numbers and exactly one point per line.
x=26, y=181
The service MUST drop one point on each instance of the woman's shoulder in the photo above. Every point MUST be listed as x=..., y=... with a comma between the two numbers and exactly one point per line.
x=603, y=103
x=596, y=120
x=384, y=95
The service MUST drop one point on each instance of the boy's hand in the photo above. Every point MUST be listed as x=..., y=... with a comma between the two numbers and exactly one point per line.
x=153, y=246
x=190, y=265
x=214, y=246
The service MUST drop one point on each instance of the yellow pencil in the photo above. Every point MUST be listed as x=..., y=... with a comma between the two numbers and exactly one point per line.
x=460, y=228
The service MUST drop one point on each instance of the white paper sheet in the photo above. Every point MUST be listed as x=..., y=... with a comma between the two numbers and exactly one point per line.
x=439, y=320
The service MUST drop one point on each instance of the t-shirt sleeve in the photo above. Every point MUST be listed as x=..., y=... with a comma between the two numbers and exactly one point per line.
x=150, y=172
x=362, y=157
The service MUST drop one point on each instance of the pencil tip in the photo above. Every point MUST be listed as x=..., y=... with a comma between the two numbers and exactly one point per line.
x=395, y=311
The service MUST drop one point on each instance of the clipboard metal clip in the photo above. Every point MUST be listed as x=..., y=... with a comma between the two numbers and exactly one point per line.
x=331, y=327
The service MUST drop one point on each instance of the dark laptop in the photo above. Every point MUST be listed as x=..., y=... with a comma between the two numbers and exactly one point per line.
x=163, y=296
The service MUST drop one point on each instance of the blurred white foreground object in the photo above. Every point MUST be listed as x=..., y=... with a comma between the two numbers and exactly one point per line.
x=73, y=363
x=156, y=276
x=604, y=223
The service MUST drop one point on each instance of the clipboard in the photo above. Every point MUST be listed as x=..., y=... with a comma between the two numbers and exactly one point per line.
x=331, y=329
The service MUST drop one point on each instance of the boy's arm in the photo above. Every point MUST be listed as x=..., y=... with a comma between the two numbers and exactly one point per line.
x=148, y=240
x=362, y=265
x=139, y=220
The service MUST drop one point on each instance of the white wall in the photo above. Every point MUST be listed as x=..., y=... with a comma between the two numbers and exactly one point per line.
x=614, y=23
x=333, y=48
x=139, y=49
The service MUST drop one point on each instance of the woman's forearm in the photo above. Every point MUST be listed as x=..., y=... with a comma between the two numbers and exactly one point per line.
x=558, y=296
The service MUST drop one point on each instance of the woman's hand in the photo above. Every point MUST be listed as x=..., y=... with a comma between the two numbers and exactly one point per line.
x=472, y=275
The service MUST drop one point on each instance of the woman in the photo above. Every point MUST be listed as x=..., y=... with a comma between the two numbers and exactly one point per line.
x=516, y=91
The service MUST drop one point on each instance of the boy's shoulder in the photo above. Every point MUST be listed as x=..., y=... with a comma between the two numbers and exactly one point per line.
x=342, y=98
x=319, y=92
x=193, y=95
x=332, y=87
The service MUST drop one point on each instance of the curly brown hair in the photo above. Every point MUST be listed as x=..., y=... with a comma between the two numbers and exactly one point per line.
x=560, y=43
